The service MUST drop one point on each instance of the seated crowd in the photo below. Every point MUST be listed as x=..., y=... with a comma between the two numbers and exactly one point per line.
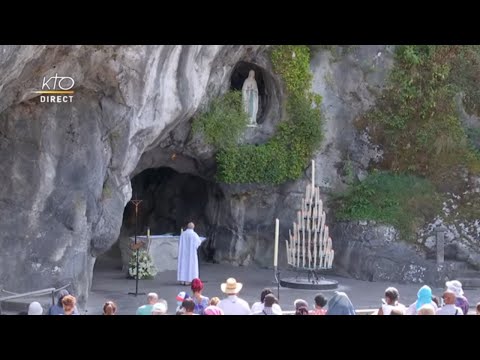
x=452, y=302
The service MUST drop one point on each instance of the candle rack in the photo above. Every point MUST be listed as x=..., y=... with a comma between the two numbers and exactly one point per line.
x=309, y=248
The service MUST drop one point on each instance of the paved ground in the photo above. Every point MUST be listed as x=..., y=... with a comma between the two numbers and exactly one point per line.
x=110, y=283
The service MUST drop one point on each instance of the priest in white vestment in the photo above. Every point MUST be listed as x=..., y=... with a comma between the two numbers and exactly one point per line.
x=187, y=255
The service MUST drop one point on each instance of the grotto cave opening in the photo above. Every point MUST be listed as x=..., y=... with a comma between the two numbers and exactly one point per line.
x=240, y=74
x=169, y=201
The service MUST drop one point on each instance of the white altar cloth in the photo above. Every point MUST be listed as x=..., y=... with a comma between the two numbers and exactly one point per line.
x=163, y=250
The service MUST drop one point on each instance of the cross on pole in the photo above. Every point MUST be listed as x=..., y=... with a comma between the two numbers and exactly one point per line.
x=136, y=203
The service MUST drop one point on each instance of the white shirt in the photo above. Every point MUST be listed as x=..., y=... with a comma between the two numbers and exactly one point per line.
x=387, y=309
x=233, y=305
x=258, y=307
x=449, y=309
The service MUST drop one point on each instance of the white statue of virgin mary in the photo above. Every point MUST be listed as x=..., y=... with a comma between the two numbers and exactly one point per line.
x=250, y=98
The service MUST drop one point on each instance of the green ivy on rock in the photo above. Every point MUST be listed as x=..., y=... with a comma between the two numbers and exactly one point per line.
x=292, y=63
x=416, y=120
x=404, y=201
x=285, y=156
x=223, y=122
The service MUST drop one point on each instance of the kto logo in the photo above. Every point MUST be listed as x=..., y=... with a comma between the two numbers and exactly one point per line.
x=56, y=89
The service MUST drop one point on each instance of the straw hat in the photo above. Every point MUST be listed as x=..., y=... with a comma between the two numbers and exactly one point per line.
x=231, y=286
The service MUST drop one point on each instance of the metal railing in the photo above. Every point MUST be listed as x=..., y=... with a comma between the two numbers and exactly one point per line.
x=47, y=291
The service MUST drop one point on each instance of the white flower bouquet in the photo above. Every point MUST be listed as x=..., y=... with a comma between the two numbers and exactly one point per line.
x=146, y=269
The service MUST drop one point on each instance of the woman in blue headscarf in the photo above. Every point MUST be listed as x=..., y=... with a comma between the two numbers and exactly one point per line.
x=424, y=297
x=340, y=304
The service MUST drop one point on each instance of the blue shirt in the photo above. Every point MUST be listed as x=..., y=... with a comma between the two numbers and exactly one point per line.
x=145, y=310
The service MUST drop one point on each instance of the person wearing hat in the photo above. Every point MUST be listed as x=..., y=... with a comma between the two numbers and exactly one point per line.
x=182, y=295
x=232, y=304
x=35, y=308
x=301, y=307
x=449, y=308
x=461, y=301
x=300, y=303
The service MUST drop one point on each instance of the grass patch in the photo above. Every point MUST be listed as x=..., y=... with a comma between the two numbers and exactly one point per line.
x=404, y=201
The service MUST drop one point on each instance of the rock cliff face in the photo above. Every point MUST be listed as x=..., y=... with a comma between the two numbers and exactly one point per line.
x=66, y=169
x=240, y=220
x=370, y=251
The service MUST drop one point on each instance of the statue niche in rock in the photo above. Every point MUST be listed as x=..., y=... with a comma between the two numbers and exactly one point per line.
x=250, y=98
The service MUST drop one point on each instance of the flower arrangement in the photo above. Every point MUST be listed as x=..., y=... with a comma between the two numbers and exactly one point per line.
x=146, y=269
